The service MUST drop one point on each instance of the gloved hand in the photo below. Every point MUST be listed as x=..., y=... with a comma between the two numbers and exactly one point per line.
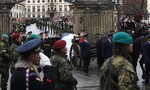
x=74, y=81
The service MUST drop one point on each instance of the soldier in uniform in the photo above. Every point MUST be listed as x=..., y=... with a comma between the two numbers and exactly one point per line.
x=146, y=55
x=85, y=54
x=4, y=60
x=46, y=46
x=25, y=75
x=44, y=60
x=106, y=51
x=16, y=41
x=117, y=73
x=59, y=60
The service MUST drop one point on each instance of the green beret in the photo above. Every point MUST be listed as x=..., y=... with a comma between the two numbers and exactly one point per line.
x=123, y=38
x=34, y=36
x=5, y=36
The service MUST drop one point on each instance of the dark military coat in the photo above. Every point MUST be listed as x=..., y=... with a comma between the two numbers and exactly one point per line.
x=26, y=76
x=66, y=79
x=118, y=74
x=14, y=55
x=106, y=49
x=4, y=54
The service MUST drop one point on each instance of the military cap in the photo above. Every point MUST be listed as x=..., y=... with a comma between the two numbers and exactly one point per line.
x=110, y=34
x=147, y=36
x=59, y=44
x=5, y=36
x=28, y=46
x=41, y=33
x=46, y=32
x=15, y=35
x=123, y=38
x=30, y=32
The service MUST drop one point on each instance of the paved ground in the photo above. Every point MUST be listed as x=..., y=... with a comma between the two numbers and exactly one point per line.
x=91, y=82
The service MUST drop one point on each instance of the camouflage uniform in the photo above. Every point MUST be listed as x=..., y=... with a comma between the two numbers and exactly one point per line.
x=66, y=80
x=117, y=73
x=14, y=55
x=4, y=63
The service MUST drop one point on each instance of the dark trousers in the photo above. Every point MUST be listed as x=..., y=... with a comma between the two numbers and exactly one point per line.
x=147, y=67
x=4, y=78
x=86, y=63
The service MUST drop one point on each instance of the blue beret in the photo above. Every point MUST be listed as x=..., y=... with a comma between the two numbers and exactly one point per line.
x=30, y=45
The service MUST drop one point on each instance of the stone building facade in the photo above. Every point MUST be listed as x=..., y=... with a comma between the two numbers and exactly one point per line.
x=93, y=16
x=45, y=8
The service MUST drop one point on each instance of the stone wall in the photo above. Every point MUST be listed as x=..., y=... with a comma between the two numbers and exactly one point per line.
x=94, y=22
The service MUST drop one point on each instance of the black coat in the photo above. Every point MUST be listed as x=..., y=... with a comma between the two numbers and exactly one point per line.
x=19, y=79
x=106, y=49
x=85, y=49
x=46, y=46
x=146, y=52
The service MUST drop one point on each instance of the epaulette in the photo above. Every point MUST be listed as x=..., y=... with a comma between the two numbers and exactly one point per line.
x=31, y=69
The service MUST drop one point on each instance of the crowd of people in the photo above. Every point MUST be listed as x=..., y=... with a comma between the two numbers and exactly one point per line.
x=27, y=55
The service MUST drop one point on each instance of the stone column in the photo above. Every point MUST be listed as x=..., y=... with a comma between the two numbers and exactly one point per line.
x=5, y=21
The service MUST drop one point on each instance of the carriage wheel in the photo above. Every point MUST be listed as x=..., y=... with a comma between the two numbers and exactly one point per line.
x=75, y=56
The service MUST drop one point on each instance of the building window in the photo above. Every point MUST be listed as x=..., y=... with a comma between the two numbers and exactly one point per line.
x=55, y=8
x=51, y=1
x=28, y=8
x=28, y=15
x=38, y=16
x=60, y=8
x=28, y=1
x=55, y=0
x=33, y=1
x=38, y=8
x=43, y=8
x=51, y=8
x=38, y=1
x=65, y=8
x=48, y=9
x=60, y=0
x=43, y=1
x=47, y=0
x=43, y=16
x=33, y=8
x=33, y=15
